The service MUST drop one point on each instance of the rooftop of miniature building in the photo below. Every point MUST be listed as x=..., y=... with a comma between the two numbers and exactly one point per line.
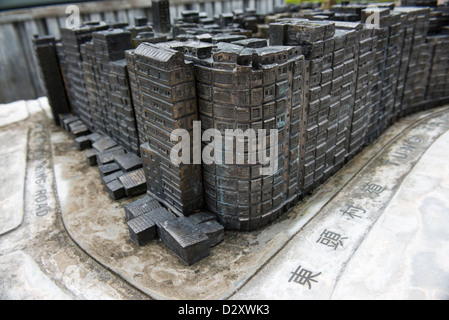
x=162, y=54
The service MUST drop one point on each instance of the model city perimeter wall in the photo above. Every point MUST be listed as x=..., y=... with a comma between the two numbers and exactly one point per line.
x=329, y=88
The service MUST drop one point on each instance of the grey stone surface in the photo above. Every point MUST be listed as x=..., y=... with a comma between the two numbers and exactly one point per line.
x=12, y=113
x=13, y=161
x=38, y=258
x=22, y=279
x=403, y=255
x=371, y=240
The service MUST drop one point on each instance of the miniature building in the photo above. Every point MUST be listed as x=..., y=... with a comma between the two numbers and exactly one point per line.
x=108, y=87
x=245, y=88
x=45, y=48
x=165, y=83
x=161, y=16
x=326, y=82
x=72, y=39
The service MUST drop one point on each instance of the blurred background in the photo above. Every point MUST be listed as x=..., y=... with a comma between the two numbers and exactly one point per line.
x=21, y=19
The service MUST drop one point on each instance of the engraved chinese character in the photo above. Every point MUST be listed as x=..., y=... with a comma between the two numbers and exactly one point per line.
x=353, y=212
x=303, y=277
x=373, y=188
x=331, y=239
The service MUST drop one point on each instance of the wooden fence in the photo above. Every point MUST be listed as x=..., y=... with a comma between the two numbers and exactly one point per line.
x=19, y=73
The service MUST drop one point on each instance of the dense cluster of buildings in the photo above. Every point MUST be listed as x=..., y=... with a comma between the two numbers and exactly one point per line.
x=328, y=82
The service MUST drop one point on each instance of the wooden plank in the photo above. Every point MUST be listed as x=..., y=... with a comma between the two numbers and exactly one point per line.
x=226, y=5
x=53, y=27
x=30, y=29
x=209, y=8
x=122, y=16
x=279, y=2
x=173, y=14
x=237, y=4
x=135, y=13
x=95, y=17
x=13, y=84
x=149, y=14
x=62, y=20
x=218, y=7
x=270, y=6
x=41, y=27
x=110, y=16
x=263, y=6
x=131, y=17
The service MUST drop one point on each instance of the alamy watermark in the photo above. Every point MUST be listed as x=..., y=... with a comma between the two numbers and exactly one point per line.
x=74, y=18
x=251, y=148
x=373, y=20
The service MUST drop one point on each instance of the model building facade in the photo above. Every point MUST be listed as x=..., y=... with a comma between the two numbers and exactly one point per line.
x=165, y=89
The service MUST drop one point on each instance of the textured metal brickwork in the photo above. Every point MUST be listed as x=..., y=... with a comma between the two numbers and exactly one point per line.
x=165, y=87
x=245, y=88
x=71, y=40
x=108, y=87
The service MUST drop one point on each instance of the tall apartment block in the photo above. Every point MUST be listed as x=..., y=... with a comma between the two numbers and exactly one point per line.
x=252, y=88
x=71, y=40
x=161, y=16
x=45, y=48
x=108, y=87
x=165, y=87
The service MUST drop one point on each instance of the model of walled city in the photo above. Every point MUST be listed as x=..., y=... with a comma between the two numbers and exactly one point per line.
x=225, y=123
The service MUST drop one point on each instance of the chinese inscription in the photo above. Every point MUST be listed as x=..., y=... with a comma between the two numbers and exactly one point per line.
x=331, y=239
x=304, y=277
x=353, y=212
x=373, y=188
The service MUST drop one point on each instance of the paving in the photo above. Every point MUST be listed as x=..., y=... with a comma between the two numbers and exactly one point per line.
x=375, y=230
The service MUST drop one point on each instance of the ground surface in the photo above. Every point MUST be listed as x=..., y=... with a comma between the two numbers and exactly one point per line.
x=379, y=229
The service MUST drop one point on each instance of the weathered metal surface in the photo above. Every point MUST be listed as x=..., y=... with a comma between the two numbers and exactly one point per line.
x=161, y=16
x=142, y=206
x=168, y=83
x=185, y=240
x=128, y=162
x=116, y=190
x=45, y=48
x=134, y=182
x=142, y=230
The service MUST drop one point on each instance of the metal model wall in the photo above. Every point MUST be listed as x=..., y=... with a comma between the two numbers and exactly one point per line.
x=257, y=88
